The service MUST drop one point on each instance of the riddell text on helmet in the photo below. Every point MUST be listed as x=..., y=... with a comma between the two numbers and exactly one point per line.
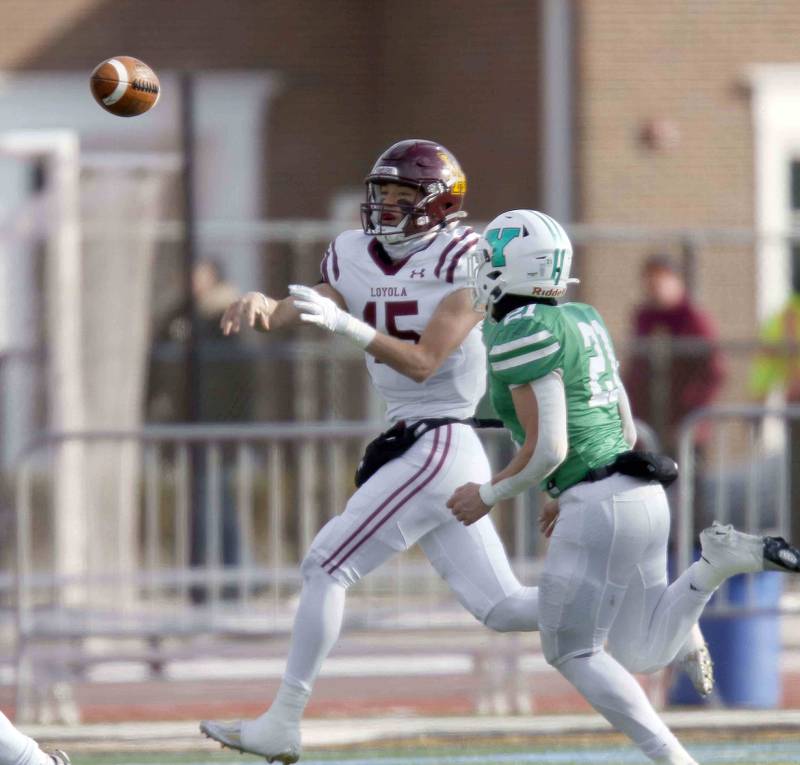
x=549, y=292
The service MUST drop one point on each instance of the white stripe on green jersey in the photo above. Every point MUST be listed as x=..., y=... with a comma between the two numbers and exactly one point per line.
x=525, y=358
x=572, y=339
x=523, y=342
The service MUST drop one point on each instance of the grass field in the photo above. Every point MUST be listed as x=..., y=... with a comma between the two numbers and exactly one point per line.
x=714, y=736
x=754, y=749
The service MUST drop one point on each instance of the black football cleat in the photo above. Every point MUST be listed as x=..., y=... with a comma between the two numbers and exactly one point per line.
x=779, y=555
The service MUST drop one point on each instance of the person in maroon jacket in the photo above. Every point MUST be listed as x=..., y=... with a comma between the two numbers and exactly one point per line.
x=676, y=366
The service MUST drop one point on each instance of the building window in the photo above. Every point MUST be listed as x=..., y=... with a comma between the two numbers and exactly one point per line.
x=775, y=102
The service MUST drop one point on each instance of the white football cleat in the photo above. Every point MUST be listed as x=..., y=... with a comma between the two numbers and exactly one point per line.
x=730, y=552
x=700, y=669
x=282, y=746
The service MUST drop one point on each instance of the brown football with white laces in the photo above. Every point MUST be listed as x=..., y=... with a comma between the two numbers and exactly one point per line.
x=125, y=86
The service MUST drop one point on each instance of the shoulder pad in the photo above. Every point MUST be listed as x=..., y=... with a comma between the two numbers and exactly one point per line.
x=452, y=259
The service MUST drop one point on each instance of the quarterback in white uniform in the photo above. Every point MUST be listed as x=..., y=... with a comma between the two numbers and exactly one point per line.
x=398, y=289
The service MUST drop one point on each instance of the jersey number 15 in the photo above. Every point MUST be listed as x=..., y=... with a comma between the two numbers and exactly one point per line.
x=394, y=308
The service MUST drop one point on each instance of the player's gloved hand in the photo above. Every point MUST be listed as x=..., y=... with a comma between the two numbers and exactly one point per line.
x=548, y=517
x=467, y=505
x=317, y=309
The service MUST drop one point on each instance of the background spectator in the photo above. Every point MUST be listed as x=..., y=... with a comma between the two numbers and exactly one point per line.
x=223, y=387
x=675, y=367
x=776, y=370
x=225, y=382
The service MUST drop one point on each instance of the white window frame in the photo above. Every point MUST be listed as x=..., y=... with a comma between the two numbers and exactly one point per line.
x=776, y=142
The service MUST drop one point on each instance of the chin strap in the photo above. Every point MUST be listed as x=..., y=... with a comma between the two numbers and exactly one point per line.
x=400, y=250
x=421, y=236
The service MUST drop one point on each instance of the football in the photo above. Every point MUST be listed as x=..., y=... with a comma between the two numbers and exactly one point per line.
x=125, y=86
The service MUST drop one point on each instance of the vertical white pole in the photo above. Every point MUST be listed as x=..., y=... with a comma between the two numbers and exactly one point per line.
x=557, y=108
x=63, y=317
x=60, y=150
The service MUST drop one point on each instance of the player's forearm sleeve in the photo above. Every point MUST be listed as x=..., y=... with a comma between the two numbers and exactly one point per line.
x=551, y=444
x=628, y=424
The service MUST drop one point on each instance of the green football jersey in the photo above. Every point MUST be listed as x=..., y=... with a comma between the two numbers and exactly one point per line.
x=537, y=339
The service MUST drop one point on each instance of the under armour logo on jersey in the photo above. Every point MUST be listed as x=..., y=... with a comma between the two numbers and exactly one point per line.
x=420, y=273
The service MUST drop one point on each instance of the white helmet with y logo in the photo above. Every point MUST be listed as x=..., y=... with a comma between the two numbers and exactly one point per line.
x=522, y=252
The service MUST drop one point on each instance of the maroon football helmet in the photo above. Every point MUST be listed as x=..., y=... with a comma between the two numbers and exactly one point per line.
x=430, y=169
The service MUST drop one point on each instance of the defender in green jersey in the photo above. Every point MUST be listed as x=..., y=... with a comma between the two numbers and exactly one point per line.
x=605, y=609
x=532, y=341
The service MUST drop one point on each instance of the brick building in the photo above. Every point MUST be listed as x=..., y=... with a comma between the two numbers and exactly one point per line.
x=354, y=75
x=642, y=124
x=689, y=65
x=603, y=112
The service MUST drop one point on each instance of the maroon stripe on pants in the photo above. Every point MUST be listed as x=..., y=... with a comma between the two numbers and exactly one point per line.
x=402, y=502
x=386, y=501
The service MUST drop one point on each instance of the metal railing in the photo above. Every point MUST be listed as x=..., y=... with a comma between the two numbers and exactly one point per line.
x=22, y=408
x=745, y=480
x=131, y=567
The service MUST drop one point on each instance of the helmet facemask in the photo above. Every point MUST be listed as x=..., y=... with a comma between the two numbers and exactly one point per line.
x=416, y=219
x=485, y=279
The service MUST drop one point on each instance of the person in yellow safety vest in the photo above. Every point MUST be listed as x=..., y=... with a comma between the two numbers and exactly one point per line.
x=777, y=368
x=778, y=364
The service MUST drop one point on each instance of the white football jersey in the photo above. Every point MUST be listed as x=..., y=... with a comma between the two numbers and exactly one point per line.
x=399, y=298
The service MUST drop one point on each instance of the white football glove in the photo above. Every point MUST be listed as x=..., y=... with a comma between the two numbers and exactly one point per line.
x=317, y=309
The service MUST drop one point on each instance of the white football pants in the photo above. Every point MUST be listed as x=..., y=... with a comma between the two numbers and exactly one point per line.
x=16, y=748
x=402, y=504
x=605, y=580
